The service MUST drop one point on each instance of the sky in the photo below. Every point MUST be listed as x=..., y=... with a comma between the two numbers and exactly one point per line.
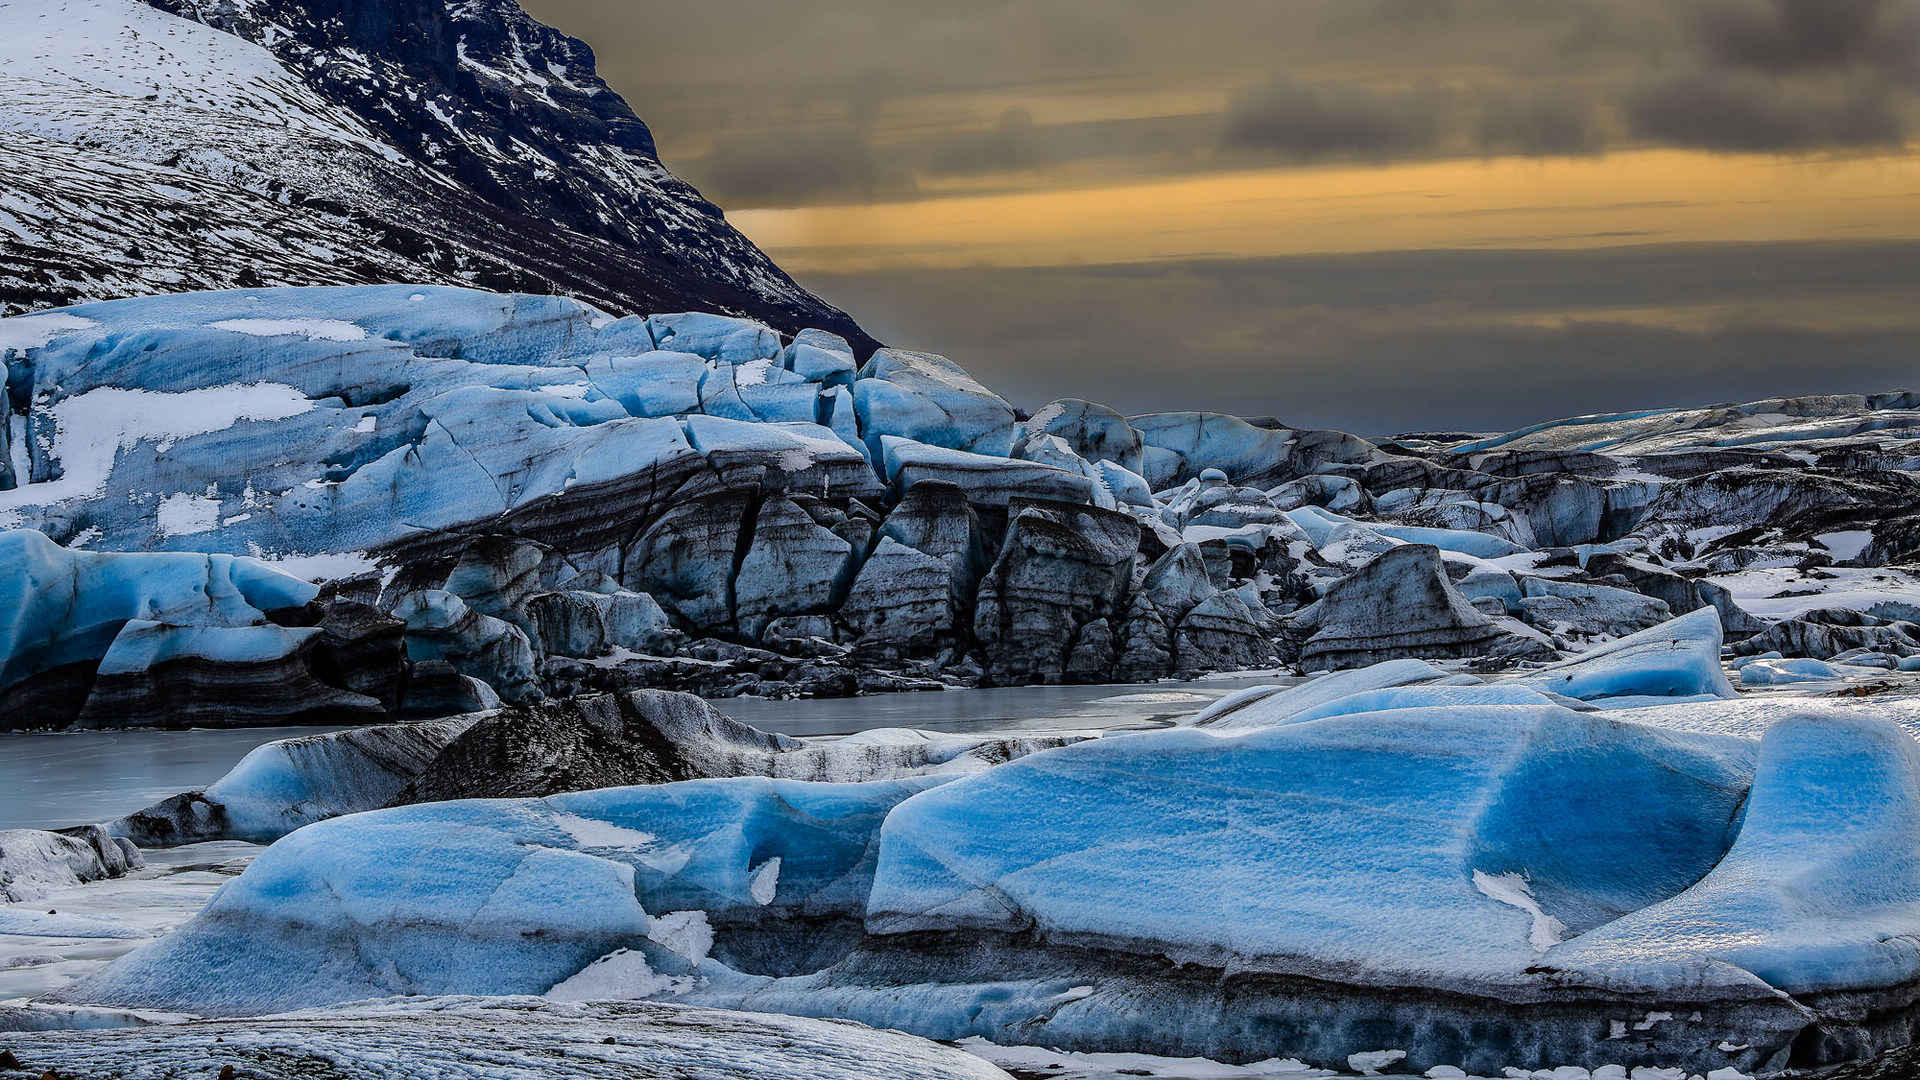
x=1379, y=215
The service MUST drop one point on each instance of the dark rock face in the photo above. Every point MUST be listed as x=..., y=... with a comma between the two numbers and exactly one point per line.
x=1220, y=633
x=686, y=559
x=935, y=517
x=1060, y=568
x=1777, y=498
x=1828, y=632
x=456, y=143
x=605, y=740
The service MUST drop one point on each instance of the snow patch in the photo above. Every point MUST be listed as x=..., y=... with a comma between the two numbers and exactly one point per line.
x=181, y=514
x=621, y=975
x=326, y=566
x=1847, y=543
x=1512, y=890
x=311, y=329
x=1371, y=1062
x=753, y=373
x=33, y=331
x=686, y=933
x=92, y=428
x=765, y=881
x=589, y=833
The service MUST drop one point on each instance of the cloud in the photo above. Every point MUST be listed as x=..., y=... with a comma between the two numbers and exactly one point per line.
x=1786, y=36
x=1014, y=142
x=1554, y=120
x=835, y=163
x=1744, y=113
x=1312, y=122
x=862, y=99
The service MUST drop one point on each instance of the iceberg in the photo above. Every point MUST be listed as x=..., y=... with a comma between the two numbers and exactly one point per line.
x=512, y=896
x=1677, y=658
x=580, y=743
x=34, y=862
x=1265, y=706
x=1405, y=878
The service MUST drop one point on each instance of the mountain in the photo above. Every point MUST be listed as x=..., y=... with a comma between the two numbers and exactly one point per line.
x=197, y=144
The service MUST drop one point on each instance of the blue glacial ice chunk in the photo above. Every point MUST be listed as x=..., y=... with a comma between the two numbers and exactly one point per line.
x=815, y=459
x=1420, y=697
x=1092, y=431
x=1820, y=890
x=987, y=480
x=757, y=390
x=143, y=644
x=930, y=399
x=1346, y=844
x=820, y=356
x=1179, y=445
x=1324, y=526
x=1266, y=706
x=1463, y=541
x=1127, y=488
x=1782, y=672
x=837, y=413
x=505, y=896
x=346, y=420
x=1678, y=658
x=285, y=784
x=723, y=339
x=65, y=606
x=654, y=383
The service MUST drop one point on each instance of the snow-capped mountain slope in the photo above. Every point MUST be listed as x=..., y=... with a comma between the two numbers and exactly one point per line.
x=248, y=143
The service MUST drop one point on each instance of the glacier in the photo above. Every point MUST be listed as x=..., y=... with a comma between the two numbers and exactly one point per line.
x=513, y=497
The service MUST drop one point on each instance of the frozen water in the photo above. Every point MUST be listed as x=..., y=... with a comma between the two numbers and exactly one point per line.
x=503, y=896
x=1674, y=659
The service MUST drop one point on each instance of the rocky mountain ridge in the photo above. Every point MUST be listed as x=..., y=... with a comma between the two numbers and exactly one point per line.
x=202, y=145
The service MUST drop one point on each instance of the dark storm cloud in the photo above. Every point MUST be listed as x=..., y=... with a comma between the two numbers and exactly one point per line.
x=1014, y=142
x=1730, y=112
x=1311, y=123
x=1554, y=120
x=1401, y=341
x=835, y=163
x=862, y=98
x=1783, y=36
